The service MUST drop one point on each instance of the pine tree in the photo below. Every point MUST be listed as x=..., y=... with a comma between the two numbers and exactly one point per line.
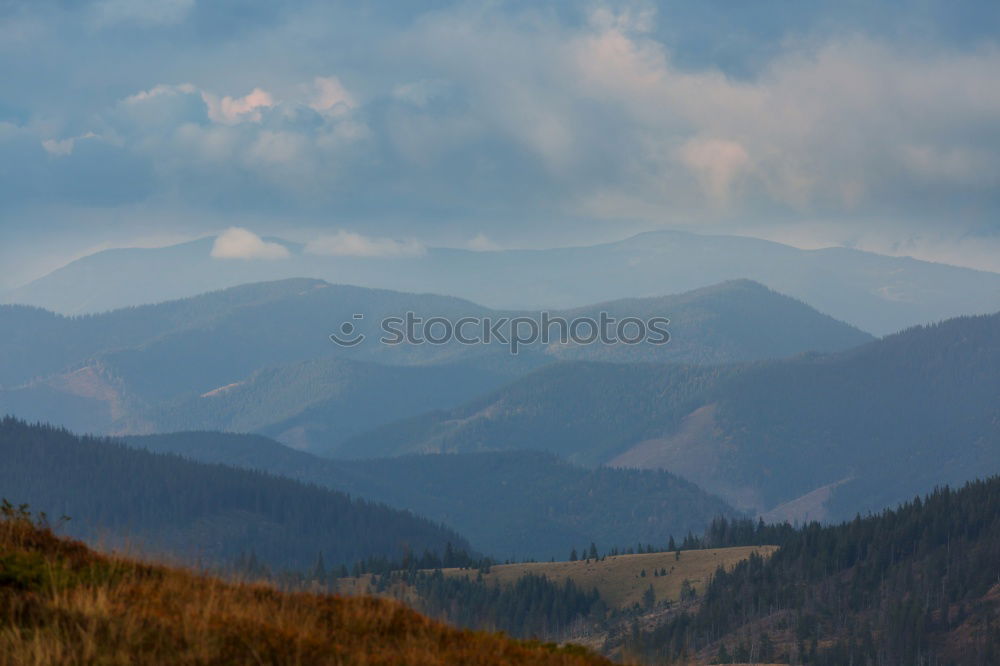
x=649, y=597
x=319, y=571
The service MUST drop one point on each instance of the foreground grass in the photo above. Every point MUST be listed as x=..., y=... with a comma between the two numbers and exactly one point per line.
x=61, y=603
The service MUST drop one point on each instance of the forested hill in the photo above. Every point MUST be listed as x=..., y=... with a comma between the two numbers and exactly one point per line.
x=510, y=504
x=163, y=504
x=919, y=584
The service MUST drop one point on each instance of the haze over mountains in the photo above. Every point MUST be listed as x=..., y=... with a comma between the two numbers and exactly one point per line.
x=465, y=310
x=876, y=293
x=759, y=405
x=257, y=358
x=819, y=436
x=757, y=397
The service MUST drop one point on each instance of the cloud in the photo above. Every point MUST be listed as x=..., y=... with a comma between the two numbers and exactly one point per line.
x=239, y=243
x=331, y=96
x=420, y=93
x=821, y=128
x=482, y=243
x=63, y=147
x=580, y=121
x=350, y=244
x=58, y=146
x=256, y=149
x=717, y=162
x=232, y=110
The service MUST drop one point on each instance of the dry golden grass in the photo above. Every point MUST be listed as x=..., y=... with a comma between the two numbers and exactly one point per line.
x=61, y=603
x=619, y=579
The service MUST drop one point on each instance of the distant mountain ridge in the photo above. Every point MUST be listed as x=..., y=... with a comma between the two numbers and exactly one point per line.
x=876, y=293
x=258, y=357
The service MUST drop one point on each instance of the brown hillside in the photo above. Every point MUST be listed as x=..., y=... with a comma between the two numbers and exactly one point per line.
x=61, y=603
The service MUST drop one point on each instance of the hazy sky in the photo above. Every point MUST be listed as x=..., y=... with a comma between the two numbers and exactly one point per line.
x=499, y=123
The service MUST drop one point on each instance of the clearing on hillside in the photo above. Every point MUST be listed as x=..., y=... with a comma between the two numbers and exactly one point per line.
x=619, y=579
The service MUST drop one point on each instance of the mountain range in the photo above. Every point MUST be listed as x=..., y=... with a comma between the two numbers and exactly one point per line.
x=875, y=293
x=258, y=358
x=817, y=436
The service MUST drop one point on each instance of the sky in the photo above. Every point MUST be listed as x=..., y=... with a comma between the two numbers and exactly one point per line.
x=398, y=125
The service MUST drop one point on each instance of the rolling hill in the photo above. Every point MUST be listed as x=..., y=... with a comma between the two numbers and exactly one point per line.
x=167, y=506
x=876, y=293
x=259, y=358
x=817, y=436
x=516, y=504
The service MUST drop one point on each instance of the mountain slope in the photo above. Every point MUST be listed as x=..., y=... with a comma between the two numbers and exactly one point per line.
x=517, y=504
x=737, y=320
x=587, y=412
x=876, y=293
x=119, y=278
x=916, y=584
x=41, y=342
x=62, y=603
x=845, y=432
x=197, y=512
x=324, y=401
x=244, y=328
